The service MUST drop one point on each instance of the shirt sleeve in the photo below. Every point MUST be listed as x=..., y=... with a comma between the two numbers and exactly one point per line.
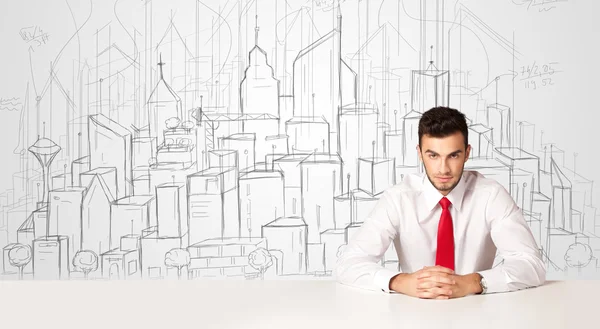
x=522, y=266
x=359, y=264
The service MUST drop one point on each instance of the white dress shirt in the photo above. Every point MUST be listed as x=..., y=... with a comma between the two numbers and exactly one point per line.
x=485, y=218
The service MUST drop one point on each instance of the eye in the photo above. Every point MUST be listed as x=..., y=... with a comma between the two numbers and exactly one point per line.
x=432, y=156
x=454, y=156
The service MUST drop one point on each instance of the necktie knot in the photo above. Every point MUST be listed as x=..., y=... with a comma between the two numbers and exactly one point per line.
x=445, y=203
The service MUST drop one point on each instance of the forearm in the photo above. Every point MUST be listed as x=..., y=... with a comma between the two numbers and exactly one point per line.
x=364, y=272
x=359, y=264
x=522, y=265
x=516, y=273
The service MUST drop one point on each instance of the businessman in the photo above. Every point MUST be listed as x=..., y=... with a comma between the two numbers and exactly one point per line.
x=446, y=226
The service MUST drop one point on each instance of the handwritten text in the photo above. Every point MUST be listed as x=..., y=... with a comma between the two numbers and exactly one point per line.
x=537, y=75
x=34, y=35
x=540, y=5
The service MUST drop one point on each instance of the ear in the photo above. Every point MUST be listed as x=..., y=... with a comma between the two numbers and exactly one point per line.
x=419, y=152
x=467, y=152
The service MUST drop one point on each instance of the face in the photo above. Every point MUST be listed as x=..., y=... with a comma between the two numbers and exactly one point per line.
x=444, y=160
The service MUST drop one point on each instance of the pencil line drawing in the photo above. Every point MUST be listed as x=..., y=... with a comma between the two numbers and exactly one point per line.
x=249, y=139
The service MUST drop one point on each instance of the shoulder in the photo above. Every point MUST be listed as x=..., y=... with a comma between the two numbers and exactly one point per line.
x=478, y=183
x=490, y=192
x=409, y=188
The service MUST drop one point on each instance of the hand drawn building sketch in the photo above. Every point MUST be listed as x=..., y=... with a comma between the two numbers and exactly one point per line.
x=249, y=139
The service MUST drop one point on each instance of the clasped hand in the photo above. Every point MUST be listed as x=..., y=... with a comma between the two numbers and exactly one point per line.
x=432, y=282
x=437, y=282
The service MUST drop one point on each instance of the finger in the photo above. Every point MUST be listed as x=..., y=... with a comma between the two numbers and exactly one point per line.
x=445, y=288
x=435, y=269
x=432, y=284
x=434, y=293
x=438, y=280
x=438, y=268
x=437, y=277
x=428, y=274
x=427, y=294
x=439, y=291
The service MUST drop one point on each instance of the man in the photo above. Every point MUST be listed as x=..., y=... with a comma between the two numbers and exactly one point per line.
x=446, y=227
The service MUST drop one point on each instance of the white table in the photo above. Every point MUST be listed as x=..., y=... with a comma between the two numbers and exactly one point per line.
x=284, y=304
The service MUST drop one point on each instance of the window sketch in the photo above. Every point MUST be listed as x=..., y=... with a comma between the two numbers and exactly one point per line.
x=249, y=139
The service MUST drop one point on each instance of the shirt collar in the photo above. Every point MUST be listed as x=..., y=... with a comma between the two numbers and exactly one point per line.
x=433, y=196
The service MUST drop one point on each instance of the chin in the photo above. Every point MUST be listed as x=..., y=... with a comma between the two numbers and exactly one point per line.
x=444, y=188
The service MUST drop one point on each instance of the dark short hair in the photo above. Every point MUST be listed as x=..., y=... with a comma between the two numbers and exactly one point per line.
x=442, y=121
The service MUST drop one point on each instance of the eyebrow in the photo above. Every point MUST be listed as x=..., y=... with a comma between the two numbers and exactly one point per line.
x=435, y=153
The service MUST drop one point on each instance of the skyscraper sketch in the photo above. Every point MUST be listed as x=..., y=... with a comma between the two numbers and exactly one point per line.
x=250, y=139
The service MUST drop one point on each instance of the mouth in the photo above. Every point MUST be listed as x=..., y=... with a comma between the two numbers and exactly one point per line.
x=444, y=179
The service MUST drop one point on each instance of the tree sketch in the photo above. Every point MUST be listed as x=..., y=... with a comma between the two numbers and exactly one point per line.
x=177, y=258
x=19, y=256
x=579, y=255
x=85, y=261
x=260, y=259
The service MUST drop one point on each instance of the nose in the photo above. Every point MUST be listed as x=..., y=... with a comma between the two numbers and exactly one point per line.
x=444, y=167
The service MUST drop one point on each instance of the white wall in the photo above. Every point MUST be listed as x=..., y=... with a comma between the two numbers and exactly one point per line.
x=63, y=61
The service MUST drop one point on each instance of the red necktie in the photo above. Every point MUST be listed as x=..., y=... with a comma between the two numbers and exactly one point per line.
x=445, y=238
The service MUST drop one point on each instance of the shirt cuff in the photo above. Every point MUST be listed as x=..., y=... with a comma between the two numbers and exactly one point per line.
x=382, y=279
x=496, y=280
